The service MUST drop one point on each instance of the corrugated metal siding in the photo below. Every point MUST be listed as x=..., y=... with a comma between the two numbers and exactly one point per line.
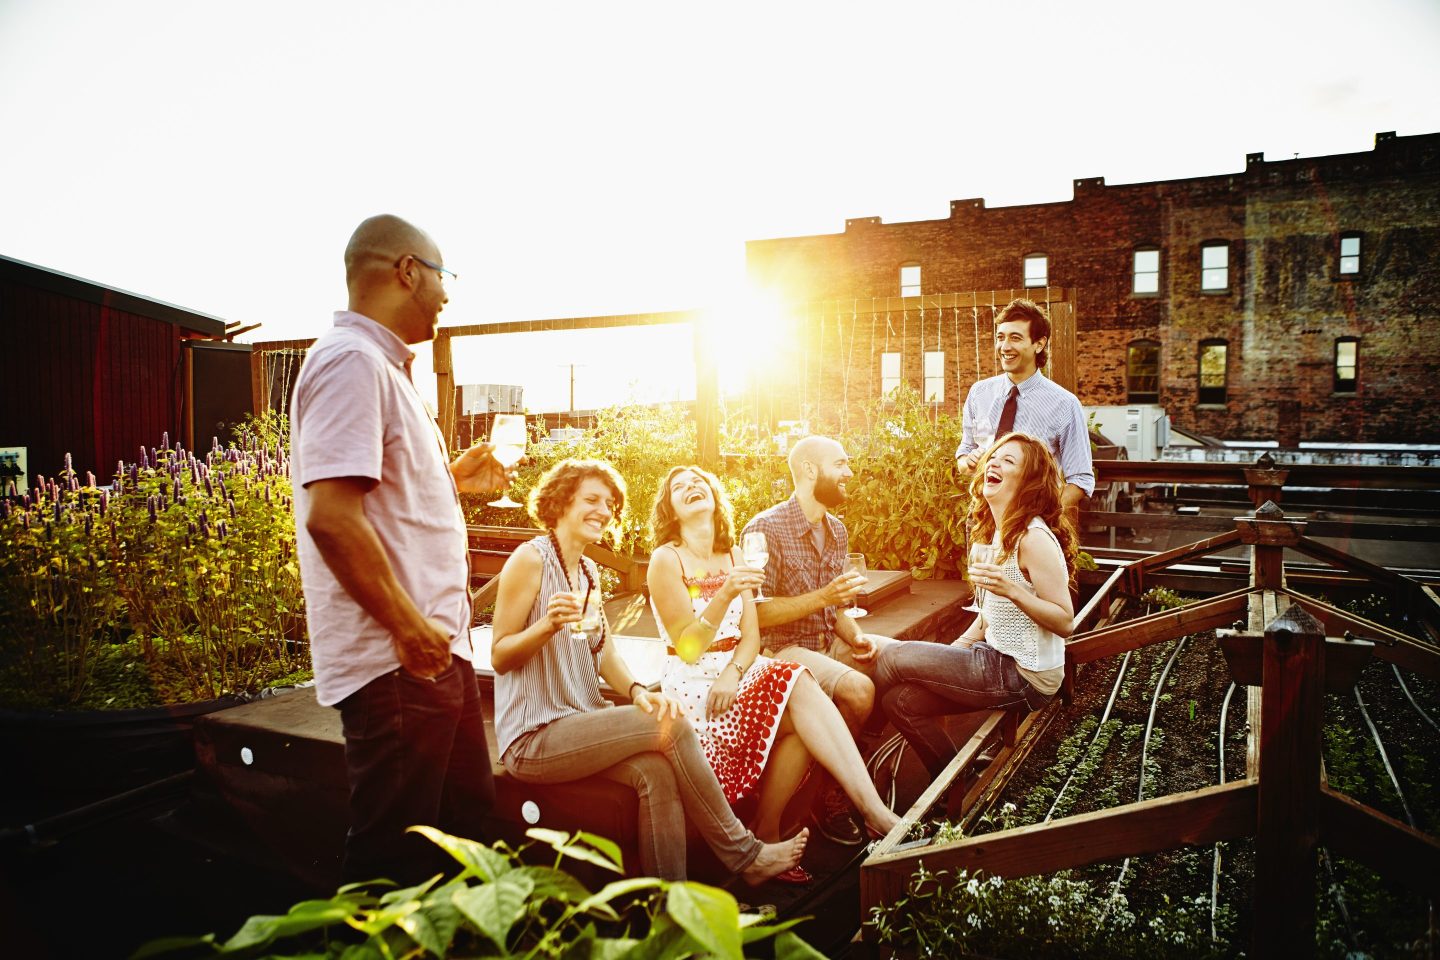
x=86, y=379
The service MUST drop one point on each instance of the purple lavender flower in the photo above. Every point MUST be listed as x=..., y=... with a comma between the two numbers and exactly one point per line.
x=224, y=532
x=104, y=502
x=231, y=503
x=144, y=458
x=89, y=523
x=152, y=506
x=165, y=440
x=209, y=488
x=89, y=479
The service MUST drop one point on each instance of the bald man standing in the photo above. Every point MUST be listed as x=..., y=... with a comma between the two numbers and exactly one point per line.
x=384, y=562
x=805, y=580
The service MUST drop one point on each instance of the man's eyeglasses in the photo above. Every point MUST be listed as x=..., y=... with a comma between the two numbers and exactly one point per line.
x=443, y=271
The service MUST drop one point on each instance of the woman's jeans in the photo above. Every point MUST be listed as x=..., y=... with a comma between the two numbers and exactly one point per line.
x=920, y=683
x=661, y=761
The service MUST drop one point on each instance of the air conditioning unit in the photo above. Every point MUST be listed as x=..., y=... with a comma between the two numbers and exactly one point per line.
x=1143, y=429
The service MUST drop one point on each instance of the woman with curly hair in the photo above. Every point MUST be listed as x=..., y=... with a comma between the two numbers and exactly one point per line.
x=760, y=720
x=551, y=722
x=1014, y=651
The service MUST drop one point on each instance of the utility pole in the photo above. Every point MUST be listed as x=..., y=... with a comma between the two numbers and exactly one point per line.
x=572, y=367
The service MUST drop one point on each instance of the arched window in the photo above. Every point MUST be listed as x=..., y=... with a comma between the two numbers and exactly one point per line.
x=1142, y=372
x=1213, y=370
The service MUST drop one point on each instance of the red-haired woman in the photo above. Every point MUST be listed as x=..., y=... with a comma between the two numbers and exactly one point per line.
x=760, y=720
x=1014, y=650
x=553, y=725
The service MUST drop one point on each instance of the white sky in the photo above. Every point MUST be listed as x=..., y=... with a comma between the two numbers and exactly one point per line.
x=593, y=158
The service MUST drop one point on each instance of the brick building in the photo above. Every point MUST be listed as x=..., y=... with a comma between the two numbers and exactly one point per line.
x=1296, y=300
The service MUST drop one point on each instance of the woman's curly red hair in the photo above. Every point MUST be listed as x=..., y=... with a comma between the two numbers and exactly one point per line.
x=1039, y=486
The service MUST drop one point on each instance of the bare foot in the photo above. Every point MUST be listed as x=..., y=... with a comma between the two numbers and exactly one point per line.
x=776, y=858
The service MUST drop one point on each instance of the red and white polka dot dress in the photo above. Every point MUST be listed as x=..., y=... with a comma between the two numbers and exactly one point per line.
x=737, y=743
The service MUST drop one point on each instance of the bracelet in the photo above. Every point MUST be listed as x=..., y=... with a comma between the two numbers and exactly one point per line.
x=706, y=623
x=633, y=685
x=738, y=669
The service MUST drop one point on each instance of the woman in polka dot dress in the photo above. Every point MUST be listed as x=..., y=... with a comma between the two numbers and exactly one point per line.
x=760, y=720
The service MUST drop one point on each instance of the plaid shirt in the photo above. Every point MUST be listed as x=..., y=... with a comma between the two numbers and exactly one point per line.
x=796, y=568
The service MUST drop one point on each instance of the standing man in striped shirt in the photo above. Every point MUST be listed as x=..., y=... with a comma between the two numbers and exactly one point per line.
x=1022, y=399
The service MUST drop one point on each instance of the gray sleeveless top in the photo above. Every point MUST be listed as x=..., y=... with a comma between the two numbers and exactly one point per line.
x=560, y=679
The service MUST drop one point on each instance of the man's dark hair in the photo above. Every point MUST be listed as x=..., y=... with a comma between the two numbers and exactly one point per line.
x=1022, y=309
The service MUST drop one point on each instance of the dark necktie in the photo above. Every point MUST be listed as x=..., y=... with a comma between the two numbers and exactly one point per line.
x=1007, y=413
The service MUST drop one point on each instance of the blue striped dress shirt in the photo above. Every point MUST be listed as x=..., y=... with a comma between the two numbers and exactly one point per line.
x=1045, y=410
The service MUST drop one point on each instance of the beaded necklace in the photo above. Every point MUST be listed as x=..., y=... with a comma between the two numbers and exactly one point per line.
x=595, y=648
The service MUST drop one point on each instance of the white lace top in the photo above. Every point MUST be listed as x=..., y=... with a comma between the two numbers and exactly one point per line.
x=1009, y=630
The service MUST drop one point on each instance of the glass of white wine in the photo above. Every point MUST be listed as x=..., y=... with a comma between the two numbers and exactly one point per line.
x=589, y=621
x=507, y=435
x=979, y=553
x=855, y=563
x=756, y=553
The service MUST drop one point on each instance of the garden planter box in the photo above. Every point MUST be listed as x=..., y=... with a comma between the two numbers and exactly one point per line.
x=279, y=764
x=59, y=761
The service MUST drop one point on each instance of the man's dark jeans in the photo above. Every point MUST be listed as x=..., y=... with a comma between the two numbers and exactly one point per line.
x=415, y=753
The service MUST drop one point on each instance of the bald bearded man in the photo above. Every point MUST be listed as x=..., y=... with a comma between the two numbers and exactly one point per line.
x=384, y=562
x=805, y=580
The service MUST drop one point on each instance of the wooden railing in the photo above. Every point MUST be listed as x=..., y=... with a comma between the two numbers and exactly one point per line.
x=1290, y=648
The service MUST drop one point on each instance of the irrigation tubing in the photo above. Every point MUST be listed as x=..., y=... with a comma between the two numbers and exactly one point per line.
x=1114, y=692
x=1411, y=697
x=1144, y=754
x=1215, y=869
x=1384, y=757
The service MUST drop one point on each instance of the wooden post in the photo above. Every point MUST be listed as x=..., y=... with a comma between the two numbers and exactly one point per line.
x=1288, y=815
x=1063, y=362
x=445, y=388
x=707, y=395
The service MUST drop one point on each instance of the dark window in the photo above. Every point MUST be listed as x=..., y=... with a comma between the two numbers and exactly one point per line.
x=1212, y=370
x=1349, y=255
x=1347, y=364
x=910, y=280
x=1146, y=275
x=1142, y=372
x=1215, y=267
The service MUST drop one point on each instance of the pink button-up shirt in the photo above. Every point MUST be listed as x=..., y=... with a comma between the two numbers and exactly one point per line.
x=356, y=413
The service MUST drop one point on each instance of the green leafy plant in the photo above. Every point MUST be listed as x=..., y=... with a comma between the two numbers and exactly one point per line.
x=177, y=582
x=498, y=906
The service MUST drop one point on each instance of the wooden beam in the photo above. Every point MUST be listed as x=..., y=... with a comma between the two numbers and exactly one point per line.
x=1394, y=849
x=1390, y=645
x=1091, y=611
x=1330, y=475
x=445, y=389
x=1192, y=818
x=1135, y=581
x=1221, y=611
x=1287, y=819
x=1049, y=297
x=572, y=323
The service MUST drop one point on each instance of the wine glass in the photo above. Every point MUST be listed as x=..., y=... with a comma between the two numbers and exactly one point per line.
x=589, y=620
x=507, y=435
x=855, y=563
x=756, y=553
x=979, y=553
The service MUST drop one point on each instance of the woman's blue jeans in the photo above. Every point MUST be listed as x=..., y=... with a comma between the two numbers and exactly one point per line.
x=921, y=683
